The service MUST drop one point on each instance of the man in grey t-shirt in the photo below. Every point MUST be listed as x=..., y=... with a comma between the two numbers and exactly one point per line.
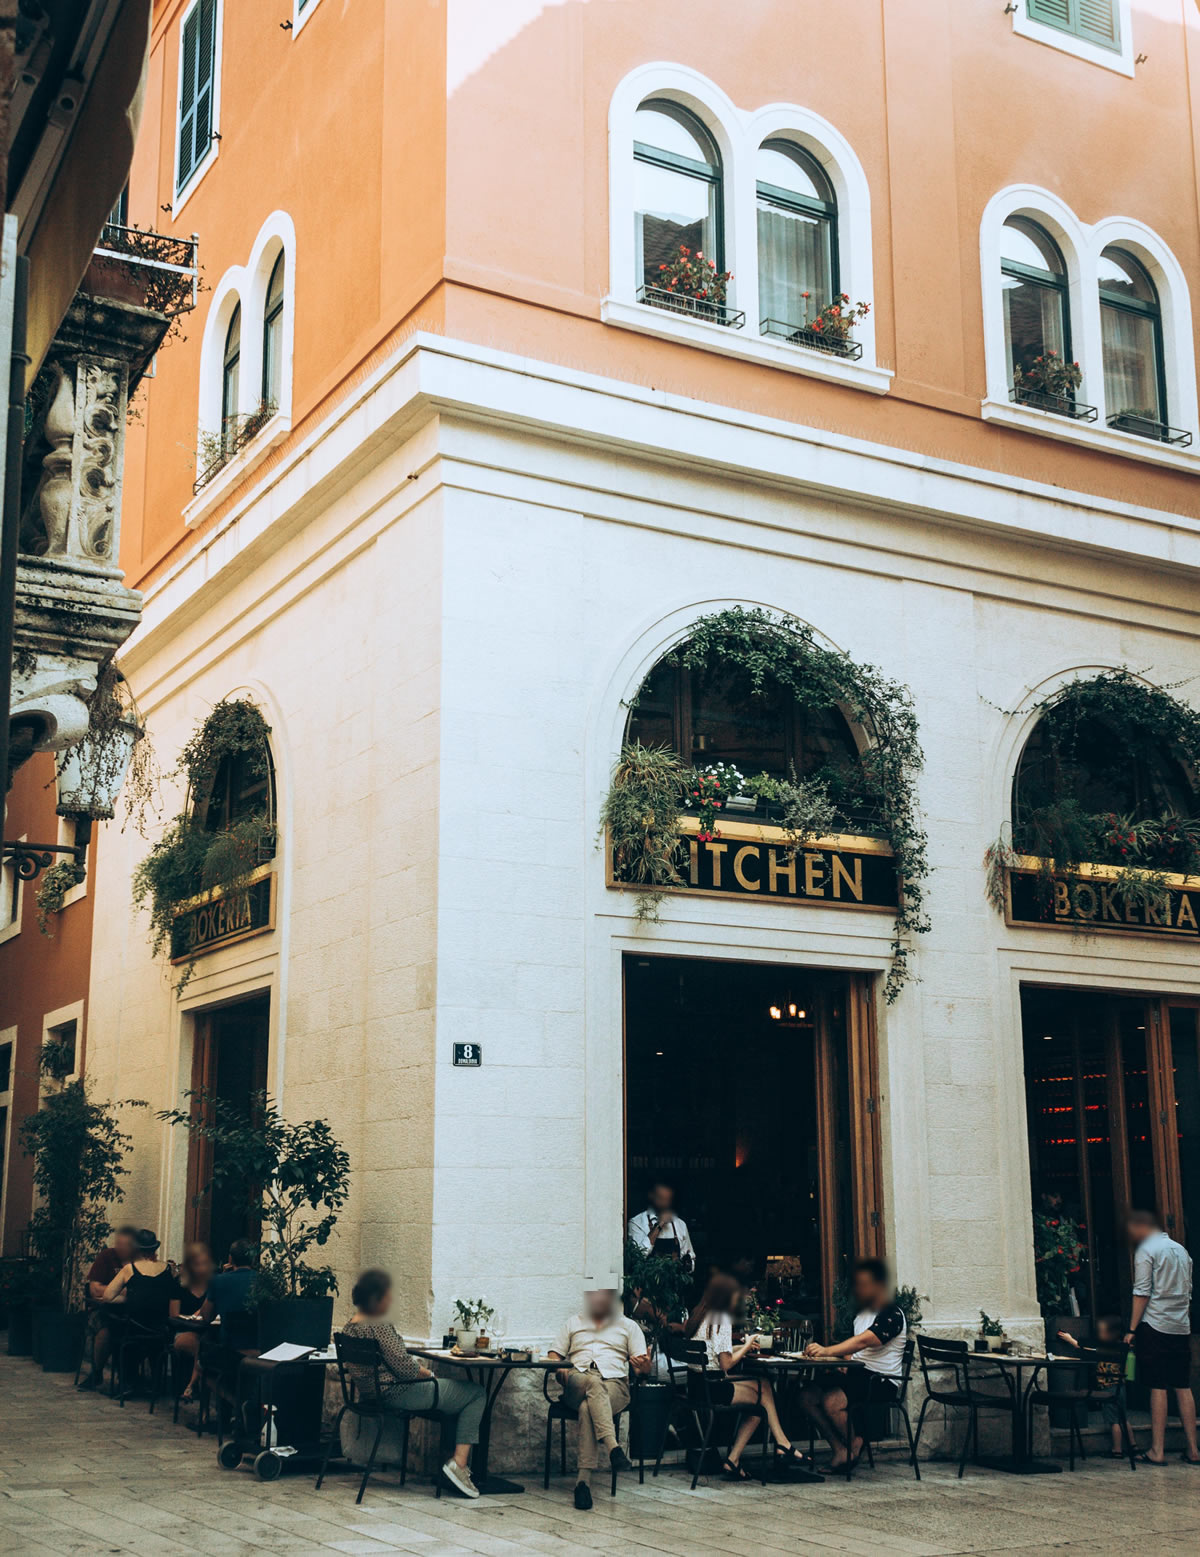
x=1160, y=1330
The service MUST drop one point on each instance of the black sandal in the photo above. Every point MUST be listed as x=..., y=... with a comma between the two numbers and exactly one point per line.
x=793, y=1456
x=732, y=1472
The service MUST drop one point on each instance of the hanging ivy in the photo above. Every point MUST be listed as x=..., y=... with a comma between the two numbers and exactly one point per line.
x=651, y=787
x=1096, y=734
x=192, y=857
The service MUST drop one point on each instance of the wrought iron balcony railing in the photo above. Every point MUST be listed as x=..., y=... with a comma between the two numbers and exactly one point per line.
x=1149, y=427
x=691, y=307
x=1059, y=405
x=814, y=340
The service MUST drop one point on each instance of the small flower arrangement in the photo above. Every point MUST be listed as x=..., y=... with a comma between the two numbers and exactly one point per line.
x=1049, y=374
x=836, y=320
x=708, y=791
x=759, y=1319
x=693, y=275
x=473, y=1313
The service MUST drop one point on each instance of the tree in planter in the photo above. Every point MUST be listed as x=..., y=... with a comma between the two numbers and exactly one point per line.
x=295, y=1178
x=656, y=1291
x=192, y=857
x=78, y=1151
x=1058, y=1252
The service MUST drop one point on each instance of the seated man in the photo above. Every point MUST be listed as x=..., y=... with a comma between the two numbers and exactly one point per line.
x=659, y=1229
x=600, y=1345
x=104, y=1318
x=227, y=1296
x=880, y=1331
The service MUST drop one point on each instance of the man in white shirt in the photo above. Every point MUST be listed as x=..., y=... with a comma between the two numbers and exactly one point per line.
x=1160, y=1329
x=659, y=1227
x=600, y=1345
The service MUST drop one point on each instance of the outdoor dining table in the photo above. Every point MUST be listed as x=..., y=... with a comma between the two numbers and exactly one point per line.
x=492, y=1373
x=1021, y=1461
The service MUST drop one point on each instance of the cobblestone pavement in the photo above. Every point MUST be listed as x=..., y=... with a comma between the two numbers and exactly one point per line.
x=78, y=1474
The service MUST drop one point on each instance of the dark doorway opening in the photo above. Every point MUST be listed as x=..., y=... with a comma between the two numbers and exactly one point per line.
x=229, y=1062
x=750, y=1087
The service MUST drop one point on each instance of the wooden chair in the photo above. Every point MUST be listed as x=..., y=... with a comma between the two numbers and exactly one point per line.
x=363, y=1397
x=939, y=1358
x=707, y=1413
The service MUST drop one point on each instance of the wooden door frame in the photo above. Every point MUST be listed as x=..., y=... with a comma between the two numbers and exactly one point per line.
x=198, y=1216
x=1164, y=1121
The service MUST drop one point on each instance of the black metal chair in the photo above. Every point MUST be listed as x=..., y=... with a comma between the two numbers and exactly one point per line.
x=363, y=1397
x=954, y=1357
x=559, y=1411
x=142, y=1341
x=873, y=1418
x=707, y=1412
x=1080, y=1398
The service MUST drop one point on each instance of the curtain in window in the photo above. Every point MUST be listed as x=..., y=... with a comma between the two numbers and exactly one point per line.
x=1130, y=363
x=1033, y=322
x=793, y=258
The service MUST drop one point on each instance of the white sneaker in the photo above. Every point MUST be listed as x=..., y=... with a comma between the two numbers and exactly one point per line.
x=460, y=1477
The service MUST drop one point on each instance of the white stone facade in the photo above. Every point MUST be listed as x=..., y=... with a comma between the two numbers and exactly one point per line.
x=441, y=600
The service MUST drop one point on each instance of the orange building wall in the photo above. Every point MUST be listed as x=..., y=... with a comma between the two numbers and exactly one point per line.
x=37, y=974
x=479, y=207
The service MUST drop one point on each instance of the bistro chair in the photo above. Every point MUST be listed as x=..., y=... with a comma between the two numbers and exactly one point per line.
x=362, y=1397
x=140, y=1343
x=1080, y=1398
x=706, y=1413
x=559, y=1411
x=939, y=1358
x=873, y=1419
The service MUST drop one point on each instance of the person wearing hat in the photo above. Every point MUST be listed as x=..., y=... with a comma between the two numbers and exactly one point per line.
x=146, y=1281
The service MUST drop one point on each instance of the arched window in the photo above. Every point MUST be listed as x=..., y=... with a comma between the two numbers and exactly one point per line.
x=1135, y=392
x=797, y=238
x=230, y=373
x=1036, y=314
x=1079, y=770
x=272, y=352
x=677, y=189
x=710, y=715
x=243, y=786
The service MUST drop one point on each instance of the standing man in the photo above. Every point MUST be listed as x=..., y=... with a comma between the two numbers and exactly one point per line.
x=1160, y=1329
x=659, y=1229
x=600, y=1345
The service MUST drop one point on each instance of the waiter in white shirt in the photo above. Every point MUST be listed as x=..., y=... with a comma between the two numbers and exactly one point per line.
x=660, y=1229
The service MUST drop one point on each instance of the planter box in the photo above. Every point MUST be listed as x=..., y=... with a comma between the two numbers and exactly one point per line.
x=20, y=1330
x=1059, y=405
x=844, y=346
x=302, y=1321
x=691, y=307
x=61, y=1342
x=649, y=1418
x=1148, y=427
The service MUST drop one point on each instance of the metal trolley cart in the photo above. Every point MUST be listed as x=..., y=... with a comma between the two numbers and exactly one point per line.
x=276, y=1415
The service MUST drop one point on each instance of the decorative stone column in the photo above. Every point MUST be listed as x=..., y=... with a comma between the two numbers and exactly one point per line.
x=73, y=610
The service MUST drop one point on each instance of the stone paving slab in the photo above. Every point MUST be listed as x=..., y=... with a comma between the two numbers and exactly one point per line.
x=79, y=1475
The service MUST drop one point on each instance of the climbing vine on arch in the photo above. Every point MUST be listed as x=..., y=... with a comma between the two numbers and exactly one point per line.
x=652, y=787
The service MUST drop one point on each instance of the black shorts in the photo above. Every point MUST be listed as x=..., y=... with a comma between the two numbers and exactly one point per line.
x=865, y=1387
x=720, y=1391
x=1163, y=1361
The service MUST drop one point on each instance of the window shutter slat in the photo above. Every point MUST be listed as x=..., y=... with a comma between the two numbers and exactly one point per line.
x=187, y=96
x=196, y=69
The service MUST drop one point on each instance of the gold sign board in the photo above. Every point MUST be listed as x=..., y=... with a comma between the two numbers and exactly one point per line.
x=1090, y=902
x=224, y=917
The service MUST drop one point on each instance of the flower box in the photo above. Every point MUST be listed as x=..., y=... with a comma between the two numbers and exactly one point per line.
x=1058, y=405
x=814, y=340
x=691, y=307
x=1145, y=426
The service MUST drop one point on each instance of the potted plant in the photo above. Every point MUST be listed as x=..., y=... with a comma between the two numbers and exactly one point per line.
x=296, y=1179
x=655, y=1297
x=761, y=1320
x=1048, y=378
x=690, y=283
x=1137, y=419
x=829, y=329
x=77, y=1153
x=25, y=1284
x=991, y=1332
x=473, y=1316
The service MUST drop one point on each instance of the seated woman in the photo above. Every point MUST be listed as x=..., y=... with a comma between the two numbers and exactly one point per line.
x=410, y=1386
x=880, y=1332
x=146, y=1281
x=711, y=1321
x=195, y=1275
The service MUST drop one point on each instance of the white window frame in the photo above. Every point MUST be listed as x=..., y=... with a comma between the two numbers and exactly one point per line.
x=183, y=194
x=1081, y=248
x=13, y=890
x=66, y=839
x=738, y=134
x=1121, y=60
x=59, y=1018
x=301, y=14
x=246, y=285
x=8, y=1035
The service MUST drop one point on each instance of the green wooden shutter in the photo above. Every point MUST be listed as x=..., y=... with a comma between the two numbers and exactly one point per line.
x=1094, y=20
x=197, y=59
x=1098, y=22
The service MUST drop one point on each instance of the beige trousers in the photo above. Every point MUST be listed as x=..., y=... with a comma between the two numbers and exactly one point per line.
x=598, y=1401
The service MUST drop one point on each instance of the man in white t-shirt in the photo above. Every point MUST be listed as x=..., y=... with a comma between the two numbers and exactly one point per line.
x=600, y=1345
x=880, y=1334
x=1160, y=1330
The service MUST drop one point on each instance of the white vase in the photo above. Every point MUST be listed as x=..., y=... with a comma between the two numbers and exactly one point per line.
x=467, y=1339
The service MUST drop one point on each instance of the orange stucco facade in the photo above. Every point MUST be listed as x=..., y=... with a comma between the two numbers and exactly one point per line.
x=446, y=169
